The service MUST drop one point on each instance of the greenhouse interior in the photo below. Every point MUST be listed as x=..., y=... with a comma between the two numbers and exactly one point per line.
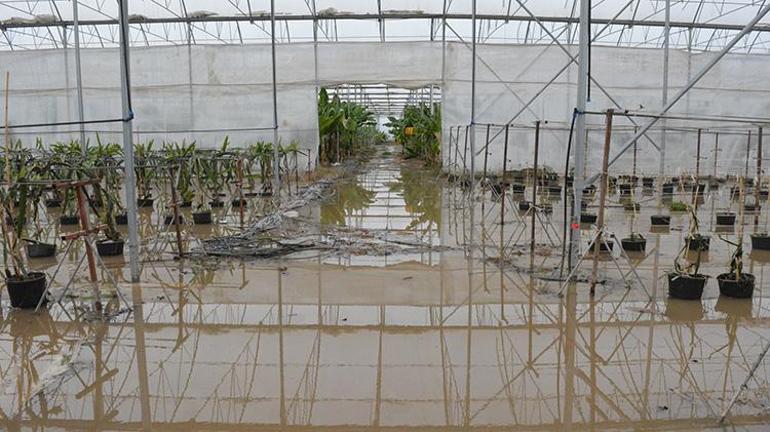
x=384, y=214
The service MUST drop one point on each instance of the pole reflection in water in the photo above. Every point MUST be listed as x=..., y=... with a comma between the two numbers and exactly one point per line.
x=422, y=339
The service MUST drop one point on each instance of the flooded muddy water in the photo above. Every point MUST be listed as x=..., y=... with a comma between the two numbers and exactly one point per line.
x=447, y=322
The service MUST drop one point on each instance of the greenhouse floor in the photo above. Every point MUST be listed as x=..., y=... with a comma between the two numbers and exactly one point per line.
x=417, y=331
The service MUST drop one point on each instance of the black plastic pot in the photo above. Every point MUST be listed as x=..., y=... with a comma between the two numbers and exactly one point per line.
x=518, y=188
x=53, y=202
x=26, y=293
x=603, y=246
x=121, y=219
x=760, y=242
x=635, y=244
x=202, y=218
x=668, y=188
x=631, y=206
x=686, y=287
x=660, y=220
x=524, y=205
x=546, y=208
x=110, y=247
x=648, y=182
x=145, y=202
x=237, y=202
x=751, y=207
x=186, y=204
x=169, y=219
x=41, y=250
x=727, y=218
x=699, y=243
x=69, y=220
x=554, y=190
x=624, y=189
x=497, y=188
x=587, y=218
x=217, y=204
x=730, y=287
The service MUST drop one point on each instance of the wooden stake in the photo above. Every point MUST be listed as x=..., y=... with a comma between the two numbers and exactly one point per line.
x=758, y=182
x=602, y=199
x=175, y=205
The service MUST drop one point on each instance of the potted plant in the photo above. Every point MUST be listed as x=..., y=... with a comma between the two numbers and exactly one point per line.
x=686, y=282
x=635, y=242
x=108, y=189
x=146, y=172
x=205, y=179
x=25, y=288
x=36, y=246
x=736, y=283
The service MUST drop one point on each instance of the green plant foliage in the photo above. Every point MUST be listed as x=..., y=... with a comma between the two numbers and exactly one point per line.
x=425, y=141
x=343, y=126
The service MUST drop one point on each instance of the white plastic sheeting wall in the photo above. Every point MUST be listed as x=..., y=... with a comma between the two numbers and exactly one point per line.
x=220, y=90
x=510, y=76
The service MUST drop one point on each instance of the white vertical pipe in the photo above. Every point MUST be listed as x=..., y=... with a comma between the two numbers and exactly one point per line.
x=473, y=99
x=666, y=37
x=580, y=123
x=276, y=155
x=79, y=75
x=128, y=144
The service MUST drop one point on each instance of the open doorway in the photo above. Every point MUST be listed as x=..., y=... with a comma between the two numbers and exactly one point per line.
x=358, y=113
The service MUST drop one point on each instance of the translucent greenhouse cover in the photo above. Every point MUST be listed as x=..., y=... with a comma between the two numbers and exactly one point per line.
x=346, y=20
x=202, y=71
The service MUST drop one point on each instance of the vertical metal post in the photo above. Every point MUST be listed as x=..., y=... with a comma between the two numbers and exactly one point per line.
x=748, y=153
x=716, y=154
x=580, y=123
x=534, y=195
x=696, y=190
x=666, y=45
x=79, y=75
x=599, y=239
x=473, y=99
x=276, y=162
x=128, y=144
x=758, y=181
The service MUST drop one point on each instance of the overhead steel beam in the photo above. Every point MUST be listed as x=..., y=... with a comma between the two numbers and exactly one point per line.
x=398, y=16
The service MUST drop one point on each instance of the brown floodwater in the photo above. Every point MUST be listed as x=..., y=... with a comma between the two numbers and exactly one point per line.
x=467, y=330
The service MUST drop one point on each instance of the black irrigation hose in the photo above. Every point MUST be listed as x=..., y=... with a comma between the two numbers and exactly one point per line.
x=566, y=195
x=70, y=123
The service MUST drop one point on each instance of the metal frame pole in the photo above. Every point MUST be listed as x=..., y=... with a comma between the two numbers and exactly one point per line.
x=473, y=99
x=79, y=75
x=276, y=163
x=128, y=144
x=690, y=84
x=666, y=45
x=580, y=124
x=758, y=181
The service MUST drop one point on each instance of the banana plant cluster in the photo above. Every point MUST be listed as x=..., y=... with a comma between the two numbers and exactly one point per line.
x=419, y=131
x=343, y=126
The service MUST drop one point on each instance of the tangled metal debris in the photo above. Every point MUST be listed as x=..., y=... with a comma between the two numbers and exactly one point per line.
x=284, y=232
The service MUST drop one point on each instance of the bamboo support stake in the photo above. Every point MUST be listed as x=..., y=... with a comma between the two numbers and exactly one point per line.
x=744, y=384
x=602, y=199
x=175, y=205
x=83, y=214
x=5, y=131
x=240, y=190
x=758, y=180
